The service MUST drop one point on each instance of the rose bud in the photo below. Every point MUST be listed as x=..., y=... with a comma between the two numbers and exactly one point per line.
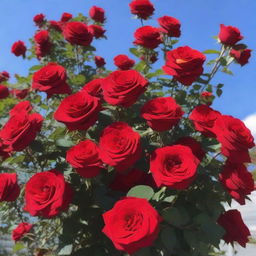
x=241, y=56
x=4, y=92
x=99, y=61
x=19, y=48
x=229, y=35
x=39, y=19
x=97, y=14
x=169, y=26
x=123, y=62
x=96, y=30
x=66, y=17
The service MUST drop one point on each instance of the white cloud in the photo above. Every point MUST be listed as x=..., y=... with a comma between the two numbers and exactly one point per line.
x=250, y=122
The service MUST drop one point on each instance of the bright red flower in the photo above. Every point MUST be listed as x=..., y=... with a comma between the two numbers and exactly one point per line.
x=19, y=48
x=9, y=188
x=241, y=56
x=99, y=61
x=169, y=26
x=4, y=91
x=142, y=8
x=229, y=35
x=21, y=230
x=97, y=14
x=123, y=62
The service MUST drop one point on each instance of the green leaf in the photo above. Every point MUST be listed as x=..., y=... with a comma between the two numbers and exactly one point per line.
x=175, y=216
x=64, y=142
x=158, y=72
x=36, y=67
x=141, y=191
x=66, y=250
x=37, y=146
x=168, y=237
x=135, y=52
x=227, y=71
x=220, y=85
x=219, y=92
x=211, y=52
x=197, y=86
x=17, y=247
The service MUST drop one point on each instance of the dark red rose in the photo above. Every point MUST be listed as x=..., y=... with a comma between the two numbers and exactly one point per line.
x=131, y=224
x=84, y=157
x=4, y=92
x=39, y=19
x=236, y=230
x=162, y=113
x=229, y=35
x=148, y=37
x=120, y=146
x=237, y=180
x=184, y=64
x=97, y=14
x=51, y=79
x=203, y=118
x=169, y=26
x=94, y=87
x=241, y=56
x=173, y=166
x=20, y=94
x=235, y=138
x=20, y=107
x=123, y=87
x=96, y=30
x=66, y=17
x=99, y=61
x=123, y=62
x=77, y=33
x=78, y=111
x=142, y=8
x=19, y=48
x=21, y=230
x=42, y=43
x=4, y=76
x=56, y=25
x=47, y=194
x=9, y=188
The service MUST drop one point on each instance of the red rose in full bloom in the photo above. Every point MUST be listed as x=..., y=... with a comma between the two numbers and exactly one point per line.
x=51, y=79
x=142, y=8
x=123, y=62
x=66, y=17
x=235, y=138
x=169, y=26
x=42, y=43
x=21, y=230
x=39, y=19
x=241, y=56
x=97, y=14
x=123, y=87
x=99, y=61
x=184, y=64
x=229, y=35
x=162, y=113
x=20, y=94
x=131, y=224
x=47, y=194
x=97, y=31
x=77, y=33
x=148, y=37
x=174, y=166
x=203, y=118
x=19, y=48
x=4, y=76
x=4, y=92
x=9, y=188
x=120, y=146
x=236, y=230
x=94, y=87
x=84, y=157
x=20, y=107
x=78, y=111
x=237, y=180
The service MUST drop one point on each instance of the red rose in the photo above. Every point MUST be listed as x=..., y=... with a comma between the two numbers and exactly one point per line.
x=235, y=138
x=184, y=64
x=84, y=157
x=173, y=166
x=120, y=146
x=19, y=48
x=56, y=25
x=148, y=37
x=4, y=76
x=20, y=107
x=78, y=111
x=97, y=14
x=4, y=92
x=131, y=224
x=66, y=17
x=21, y=230
x=43, y=44
x=39, y=19
x=123, y=87
x=229, y=35
x=99, y=61
x=47, y=194
x=96, y=30
x=94, y=87
x=123, y=62
x=51, y=79
x=238, y=181
x=20, y=94
x=77, y=33
x=170, y=26
x=142, y=8
x=162, y=113
x=203, y=118
x=241, y=56
x=9, y=188
x=236, y=230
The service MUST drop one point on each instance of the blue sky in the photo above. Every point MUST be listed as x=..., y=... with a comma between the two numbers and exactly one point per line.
x=200, y=21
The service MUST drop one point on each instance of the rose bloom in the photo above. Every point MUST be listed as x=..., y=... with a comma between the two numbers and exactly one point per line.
x=169, y=26
x=123, y=62
x=203, y=118
x=237, y=180
x=123, y=87
x=19, y=48
x=94, y=87
x=51, y=79
x=235, y=138
x=148, y=37
x=142, y=8
x=96, y=30
x=42, y=43
x=120, y=146
x=56, y=25
x=132, y=224
x=9, y=188
x=236, y=230
x=20, y=107
x=21, y=230
x=173, y=166
x=20, y=94
x=99, y=61
x=184, y=64
x=241, y=56
x=4, y=76
x=97, y=14
x=4, y=92
x=39, y=19
x=229, y=35
x=77, y=33
x=162, y=113
x=65, y=17
x=84, y=157
x=78, y=111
